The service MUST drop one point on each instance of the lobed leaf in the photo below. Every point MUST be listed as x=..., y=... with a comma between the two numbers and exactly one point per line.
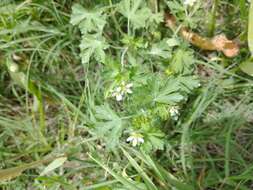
x=93, y=45
x=109, y=126
x=87, y=20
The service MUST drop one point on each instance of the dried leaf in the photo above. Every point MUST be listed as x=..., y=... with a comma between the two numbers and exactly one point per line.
x=53, y=165
x=218, y=43
x=8, y=174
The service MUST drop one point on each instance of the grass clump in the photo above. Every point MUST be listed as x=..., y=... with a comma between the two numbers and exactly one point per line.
x=102, y=95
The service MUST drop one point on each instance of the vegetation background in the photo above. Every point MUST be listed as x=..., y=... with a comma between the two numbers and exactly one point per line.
x=100, y=94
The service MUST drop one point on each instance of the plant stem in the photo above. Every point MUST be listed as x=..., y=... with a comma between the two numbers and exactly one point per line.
x=212, y=22
x=115, y=20
x=154, y=5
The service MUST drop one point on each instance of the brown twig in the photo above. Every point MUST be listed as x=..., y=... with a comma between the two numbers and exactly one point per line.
x=217, y=43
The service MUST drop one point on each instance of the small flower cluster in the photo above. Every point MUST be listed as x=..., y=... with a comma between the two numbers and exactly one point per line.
x=13, y=68
x=123, y=89
x=174, y=113
x=135, y=139
x=189, y=2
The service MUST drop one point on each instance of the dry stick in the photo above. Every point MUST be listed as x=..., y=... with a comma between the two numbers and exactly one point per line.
x=217, y=43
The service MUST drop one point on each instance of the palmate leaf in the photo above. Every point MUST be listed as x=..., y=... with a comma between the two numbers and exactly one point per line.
x=138, y=15
x=93, y=45
x=161, y=49
x=154, y=140
x=169, y=93
x=182, y=62
x=88, y=21
x=159, y=89
x=171, y=99
x=108, y=126
x=188, y=83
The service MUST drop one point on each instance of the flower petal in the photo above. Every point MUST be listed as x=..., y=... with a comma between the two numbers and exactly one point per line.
x=135, y=142
x=119, y=97
x=140, y=140
x=190, y=2
x=129, y=85
x=118, y=89
x=129, y=91
x=129, y=139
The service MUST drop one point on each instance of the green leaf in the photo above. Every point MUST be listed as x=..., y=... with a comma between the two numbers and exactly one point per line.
x=169, y=98
x=109, y=126
x=93, y=45
x=156, y=18
x=168, y=93
x=188, y=83
x=156, y=140
x=182, y=62
x=53, y=165
x=172, y=42
x=135, y=13
x=175, y=7
x=161, y=49
x=250, y=28
x=247, y=66
x=87, y=20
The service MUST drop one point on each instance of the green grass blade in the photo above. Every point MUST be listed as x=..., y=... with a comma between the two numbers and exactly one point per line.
x=250, y=28
x=227, y=152
x=173, y=181
x=121, y=179
x=8, y=174
x=247, y=66
x=141, y=172
x=165, y=178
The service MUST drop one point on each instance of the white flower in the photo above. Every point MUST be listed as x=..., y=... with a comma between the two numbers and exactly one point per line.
x=189, y=2
x=13, y=67
x=127, y=88
x=174, y=113
x=136, y=139
x=118, y=94
x=122, y=90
